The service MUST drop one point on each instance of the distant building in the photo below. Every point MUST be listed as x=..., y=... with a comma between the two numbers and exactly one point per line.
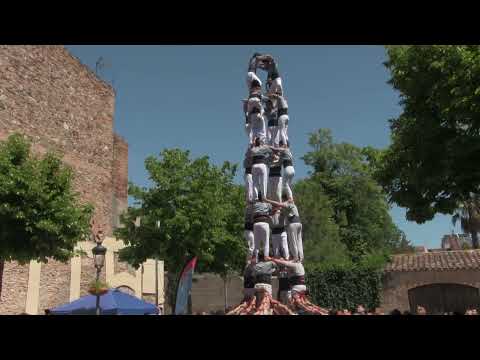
x=456, y=241
x=420, y=249
x=439, y=280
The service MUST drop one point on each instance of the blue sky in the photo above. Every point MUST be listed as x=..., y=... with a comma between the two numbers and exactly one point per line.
x=190, y=97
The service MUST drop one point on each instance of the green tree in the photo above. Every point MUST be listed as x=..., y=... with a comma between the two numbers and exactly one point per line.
x=321, y=238
x=199, y=211
x=342, y=185
x=40, y=214
x=404, y=246
x=468, y=214
x=431, y=164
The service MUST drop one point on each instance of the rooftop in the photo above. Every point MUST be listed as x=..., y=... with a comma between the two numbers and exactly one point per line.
x=435, y=261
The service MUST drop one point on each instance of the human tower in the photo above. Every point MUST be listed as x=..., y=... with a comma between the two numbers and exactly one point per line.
x=270, y=212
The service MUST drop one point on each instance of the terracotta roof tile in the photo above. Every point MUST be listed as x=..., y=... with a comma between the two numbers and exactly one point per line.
x=435, y=261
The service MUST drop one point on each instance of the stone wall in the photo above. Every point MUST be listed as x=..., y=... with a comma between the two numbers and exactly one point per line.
x=119, y=178
x=48, y=95
x=88, y=274
x=208, y=292
x=397, y=284
x=54, y=285
x=121, y=266
x=14, y=288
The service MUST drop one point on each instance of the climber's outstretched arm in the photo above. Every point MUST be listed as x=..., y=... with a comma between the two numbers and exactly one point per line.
x=274, y=203
x=280, y=262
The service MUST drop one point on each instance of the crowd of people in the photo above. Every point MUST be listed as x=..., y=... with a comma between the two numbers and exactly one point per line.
x=271, y=212
x=362, y=310
x=420, y=310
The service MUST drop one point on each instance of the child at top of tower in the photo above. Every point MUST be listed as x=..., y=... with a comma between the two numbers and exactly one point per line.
x=274, y=81
x=253, y=81
x=252, y=107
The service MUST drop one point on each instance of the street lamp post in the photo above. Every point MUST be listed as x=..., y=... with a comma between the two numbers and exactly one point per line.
x=99, y=260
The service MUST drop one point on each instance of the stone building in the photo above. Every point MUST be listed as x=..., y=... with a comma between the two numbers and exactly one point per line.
x=437, y=280
x=456, y=242
x=60, y=104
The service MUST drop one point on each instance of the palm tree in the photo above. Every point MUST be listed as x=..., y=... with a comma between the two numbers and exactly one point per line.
x=468, y=213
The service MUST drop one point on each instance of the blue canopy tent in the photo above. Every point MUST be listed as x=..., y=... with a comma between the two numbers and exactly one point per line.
x=114, y=302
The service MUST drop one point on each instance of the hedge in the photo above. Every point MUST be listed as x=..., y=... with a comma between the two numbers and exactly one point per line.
x=345, y=286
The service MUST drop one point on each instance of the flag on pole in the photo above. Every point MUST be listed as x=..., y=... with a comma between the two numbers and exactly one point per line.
x=184, y=287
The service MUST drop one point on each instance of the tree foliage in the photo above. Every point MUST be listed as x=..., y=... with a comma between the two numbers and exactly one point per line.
x=199, y=211
x=431, y=164
x=343, y=208
x=345, y=286
x=40, y=214
x=404, y=246
x=322, y=243
x=468, y=214
x=193, y=208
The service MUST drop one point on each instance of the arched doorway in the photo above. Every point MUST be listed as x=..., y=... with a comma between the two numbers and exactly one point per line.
x=126, y=289
x=441, y=298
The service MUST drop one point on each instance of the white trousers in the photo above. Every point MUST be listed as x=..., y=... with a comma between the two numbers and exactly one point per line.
x=274, y=135
x=251, y=76
x=260, y=287
x=280, y=245
x=275, y=188
x=282, y=128
x=261, y=235
x=260, y=179
x=299, y=289
x=249, y=238
x=248, y=187
x=248, y=130
x=288, y=174
x=295, y=243
x=276, y=86
x=257, y=127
